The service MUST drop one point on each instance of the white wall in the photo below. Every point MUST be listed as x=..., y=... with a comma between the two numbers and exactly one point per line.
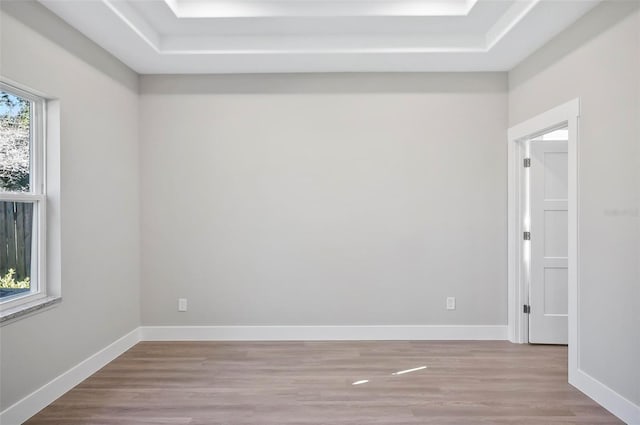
x=598, y=60
x=99, y=198
x=324, y=199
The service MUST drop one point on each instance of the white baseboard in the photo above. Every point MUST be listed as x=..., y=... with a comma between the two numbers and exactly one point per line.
x=40, y=398
x=320, y=333
x=624, y=409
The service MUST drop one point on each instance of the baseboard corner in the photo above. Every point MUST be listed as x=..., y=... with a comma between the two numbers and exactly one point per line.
x=28, y=406
x=606, y=397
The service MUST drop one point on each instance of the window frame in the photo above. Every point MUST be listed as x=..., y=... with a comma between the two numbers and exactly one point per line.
x=37, y=195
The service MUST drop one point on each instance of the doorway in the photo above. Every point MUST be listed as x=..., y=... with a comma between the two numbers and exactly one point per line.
x=543, y=230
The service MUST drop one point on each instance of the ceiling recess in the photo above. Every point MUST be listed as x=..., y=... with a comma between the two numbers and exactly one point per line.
x=251, y=36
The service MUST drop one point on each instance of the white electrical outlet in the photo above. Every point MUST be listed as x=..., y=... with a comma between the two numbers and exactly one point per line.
x=451, y=303
x=182, y=304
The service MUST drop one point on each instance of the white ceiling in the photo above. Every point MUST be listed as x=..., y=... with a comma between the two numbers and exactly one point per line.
x=240, y=36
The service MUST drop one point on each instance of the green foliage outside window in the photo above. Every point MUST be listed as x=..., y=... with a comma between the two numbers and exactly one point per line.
x=8, y=281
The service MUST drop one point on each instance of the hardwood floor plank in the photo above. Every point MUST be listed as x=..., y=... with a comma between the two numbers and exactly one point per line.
x=310, y=383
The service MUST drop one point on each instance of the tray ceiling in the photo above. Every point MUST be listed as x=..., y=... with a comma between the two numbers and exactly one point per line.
x=250, y=36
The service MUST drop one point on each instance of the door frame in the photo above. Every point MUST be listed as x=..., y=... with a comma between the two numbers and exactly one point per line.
x=517, y=327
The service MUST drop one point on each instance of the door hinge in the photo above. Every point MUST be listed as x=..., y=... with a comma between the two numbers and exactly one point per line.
x=527, y=162
x=526, y=309
x=527, y=236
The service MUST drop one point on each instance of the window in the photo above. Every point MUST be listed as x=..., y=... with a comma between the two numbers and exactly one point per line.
x=22, y=199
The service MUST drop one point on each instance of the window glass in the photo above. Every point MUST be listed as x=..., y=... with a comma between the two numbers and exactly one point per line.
x=16, y=247
x=15, y=137
x=18, y=203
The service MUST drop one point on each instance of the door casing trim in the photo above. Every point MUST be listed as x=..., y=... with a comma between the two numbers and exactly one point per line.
x=563, y=115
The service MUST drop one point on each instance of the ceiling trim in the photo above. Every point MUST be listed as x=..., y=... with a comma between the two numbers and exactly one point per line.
x=508, y=21
x=136, y=23
x=317, y=8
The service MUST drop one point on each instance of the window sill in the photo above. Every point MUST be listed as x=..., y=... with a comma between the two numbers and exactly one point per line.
x=27, y=309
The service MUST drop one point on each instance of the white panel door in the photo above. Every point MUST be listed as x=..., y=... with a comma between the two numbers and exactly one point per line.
x=548, y=296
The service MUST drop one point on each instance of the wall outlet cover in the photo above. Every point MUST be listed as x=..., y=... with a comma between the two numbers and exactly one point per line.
x=451, y=303
x=182, y=304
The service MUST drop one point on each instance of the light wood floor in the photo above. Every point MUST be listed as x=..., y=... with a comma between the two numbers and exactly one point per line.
x=277, y=383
